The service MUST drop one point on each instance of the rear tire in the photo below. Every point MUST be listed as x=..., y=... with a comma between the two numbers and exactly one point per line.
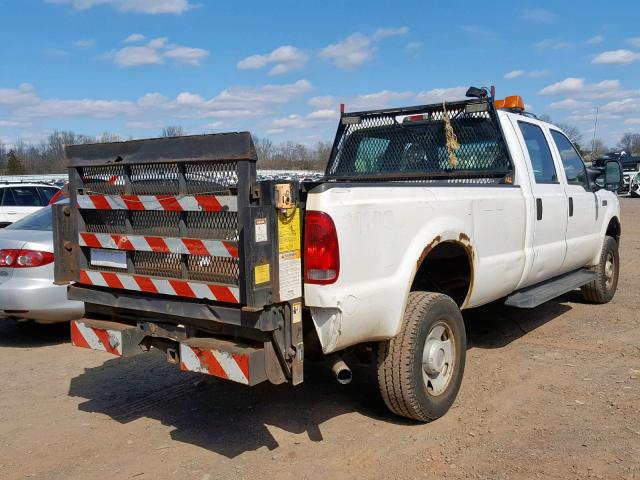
x=603, y=288
x=420, y=370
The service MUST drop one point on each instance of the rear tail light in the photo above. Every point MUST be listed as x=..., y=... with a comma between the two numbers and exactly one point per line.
x=24, y=258
x=321, y=252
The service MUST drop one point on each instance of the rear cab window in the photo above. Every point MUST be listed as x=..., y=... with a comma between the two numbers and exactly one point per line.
x=544, y=169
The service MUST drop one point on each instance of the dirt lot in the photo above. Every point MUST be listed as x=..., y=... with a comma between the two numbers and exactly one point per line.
x=548, y=393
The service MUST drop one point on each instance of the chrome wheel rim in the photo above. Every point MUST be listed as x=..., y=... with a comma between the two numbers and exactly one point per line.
x=609, y=271
x=438, y=358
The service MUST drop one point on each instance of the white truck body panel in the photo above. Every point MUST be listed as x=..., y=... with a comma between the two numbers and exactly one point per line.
x=386, y=229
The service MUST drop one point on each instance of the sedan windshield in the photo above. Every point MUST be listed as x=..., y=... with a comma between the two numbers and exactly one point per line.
x=40, y=220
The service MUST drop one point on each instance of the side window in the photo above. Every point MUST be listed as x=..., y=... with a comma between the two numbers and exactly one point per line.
x=541, y=160
x=574, y=168
x=2, y=196
x=47, y=194
x=22, y=197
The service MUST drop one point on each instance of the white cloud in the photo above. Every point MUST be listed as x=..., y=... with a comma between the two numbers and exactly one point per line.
x=323, y=102
x=234, y=102
x=539, y=15
x=632, y=121
x=569, y=104
x=622, y=106
x=520, y=73
x=616, y=57
x=14, y=124
x=284, y=60
x=552, y=44
x=579, y=88
x=23, y=95
x=84, y=43
x=151, y=7
x=186, y=55
x=135, y=56
x=590, y=117
x=413, y=46
x=323, y=114
x=134, y=37
x=513, y=74
x=144, y=125
x=357, y=48
x=438, y=95
x=595, y=40
x=155, y=52
x=377, y=100
x=383, y=33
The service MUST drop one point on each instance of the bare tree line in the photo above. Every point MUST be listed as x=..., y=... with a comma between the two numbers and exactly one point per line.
x=47, y=156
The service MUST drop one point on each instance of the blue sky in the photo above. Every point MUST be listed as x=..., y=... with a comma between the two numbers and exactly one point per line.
x=280, y=69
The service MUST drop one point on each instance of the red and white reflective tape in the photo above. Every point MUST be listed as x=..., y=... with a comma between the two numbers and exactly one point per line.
x=109, y=341
x=230, y=366
x=169, y=286
x=189, y=246
x=172, y=203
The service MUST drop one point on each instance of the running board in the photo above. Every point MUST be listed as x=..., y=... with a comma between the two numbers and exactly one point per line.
x=540, y=293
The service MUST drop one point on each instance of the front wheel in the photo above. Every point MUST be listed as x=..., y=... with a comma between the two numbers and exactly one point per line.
x=603, y=288
x=420, y=370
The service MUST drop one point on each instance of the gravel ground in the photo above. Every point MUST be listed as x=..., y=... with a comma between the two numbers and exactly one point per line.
x=548, y=393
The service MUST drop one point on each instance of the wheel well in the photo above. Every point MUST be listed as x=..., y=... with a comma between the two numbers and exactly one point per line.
x=446, y=268
x=614, y=230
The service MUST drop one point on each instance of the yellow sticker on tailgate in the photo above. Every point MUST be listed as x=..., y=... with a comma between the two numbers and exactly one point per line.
x=261, y=273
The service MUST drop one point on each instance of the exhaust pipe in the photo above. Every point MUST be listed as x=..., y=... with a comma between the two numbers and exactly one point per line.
x=340, y=369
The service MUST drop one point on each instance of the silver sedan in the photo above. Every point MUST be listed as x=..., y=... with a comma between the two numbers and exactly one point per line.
x=26, y=273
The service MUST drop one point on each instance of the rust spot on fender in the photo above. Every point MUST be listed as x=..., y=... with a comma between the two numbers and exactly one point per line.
x=427, y=250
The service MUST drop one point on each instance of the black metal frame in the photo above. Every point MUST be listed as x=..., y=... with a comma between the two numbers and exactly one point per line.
x=415, y=110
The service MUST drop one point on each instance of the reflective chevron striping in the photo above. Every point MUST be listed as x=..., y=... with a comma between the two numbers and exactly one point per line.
x=189, y=246
x=175, y=287
x=174, y=203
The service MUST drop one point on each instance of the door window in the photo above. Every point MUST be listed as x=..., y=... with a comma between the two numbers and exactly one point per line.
x=47, y=194
x=544, y=169
x=574, y=168
x=22, y=197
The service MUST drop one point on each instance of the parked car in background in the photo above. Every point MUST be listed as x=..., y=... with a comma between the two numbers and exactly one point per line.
x=26, y=273
x=19, y=200
x=634, y=184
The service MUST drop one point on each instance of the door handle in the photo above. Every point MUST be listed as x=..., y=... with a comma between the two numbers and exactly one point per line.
x=539, y=208
x=571, y=206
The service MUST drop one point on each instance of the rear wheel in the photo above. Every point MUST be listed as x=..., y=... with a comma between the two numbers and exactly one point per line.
x=420, y=370
x=603, y=288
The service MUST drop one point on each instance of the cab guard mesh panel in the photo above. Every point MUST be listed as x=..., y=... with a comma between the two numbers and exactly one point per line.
x=410, y=144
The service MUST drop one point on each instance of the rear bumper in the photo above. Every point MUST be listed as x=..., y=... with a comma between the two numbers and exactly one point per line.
x=225, y=359
x=38, y=299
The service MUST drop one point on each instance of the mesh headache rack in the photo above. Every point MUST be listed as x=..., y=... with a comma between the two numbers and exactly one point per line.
x=179, y=216
x=460, y=141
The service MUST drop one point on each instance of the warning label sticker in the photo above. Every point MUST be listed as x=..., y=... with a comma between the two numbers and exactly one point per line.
x=261, y=273
x=261, y=230
x=289, y=259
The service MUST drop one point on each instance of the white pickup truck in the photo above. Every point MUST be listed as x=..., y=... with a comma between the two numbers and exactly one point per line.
x=423, y=212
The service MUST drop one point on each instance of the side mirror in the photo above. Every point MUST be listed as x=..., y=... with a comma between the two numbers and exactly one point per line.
x=607, y=176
